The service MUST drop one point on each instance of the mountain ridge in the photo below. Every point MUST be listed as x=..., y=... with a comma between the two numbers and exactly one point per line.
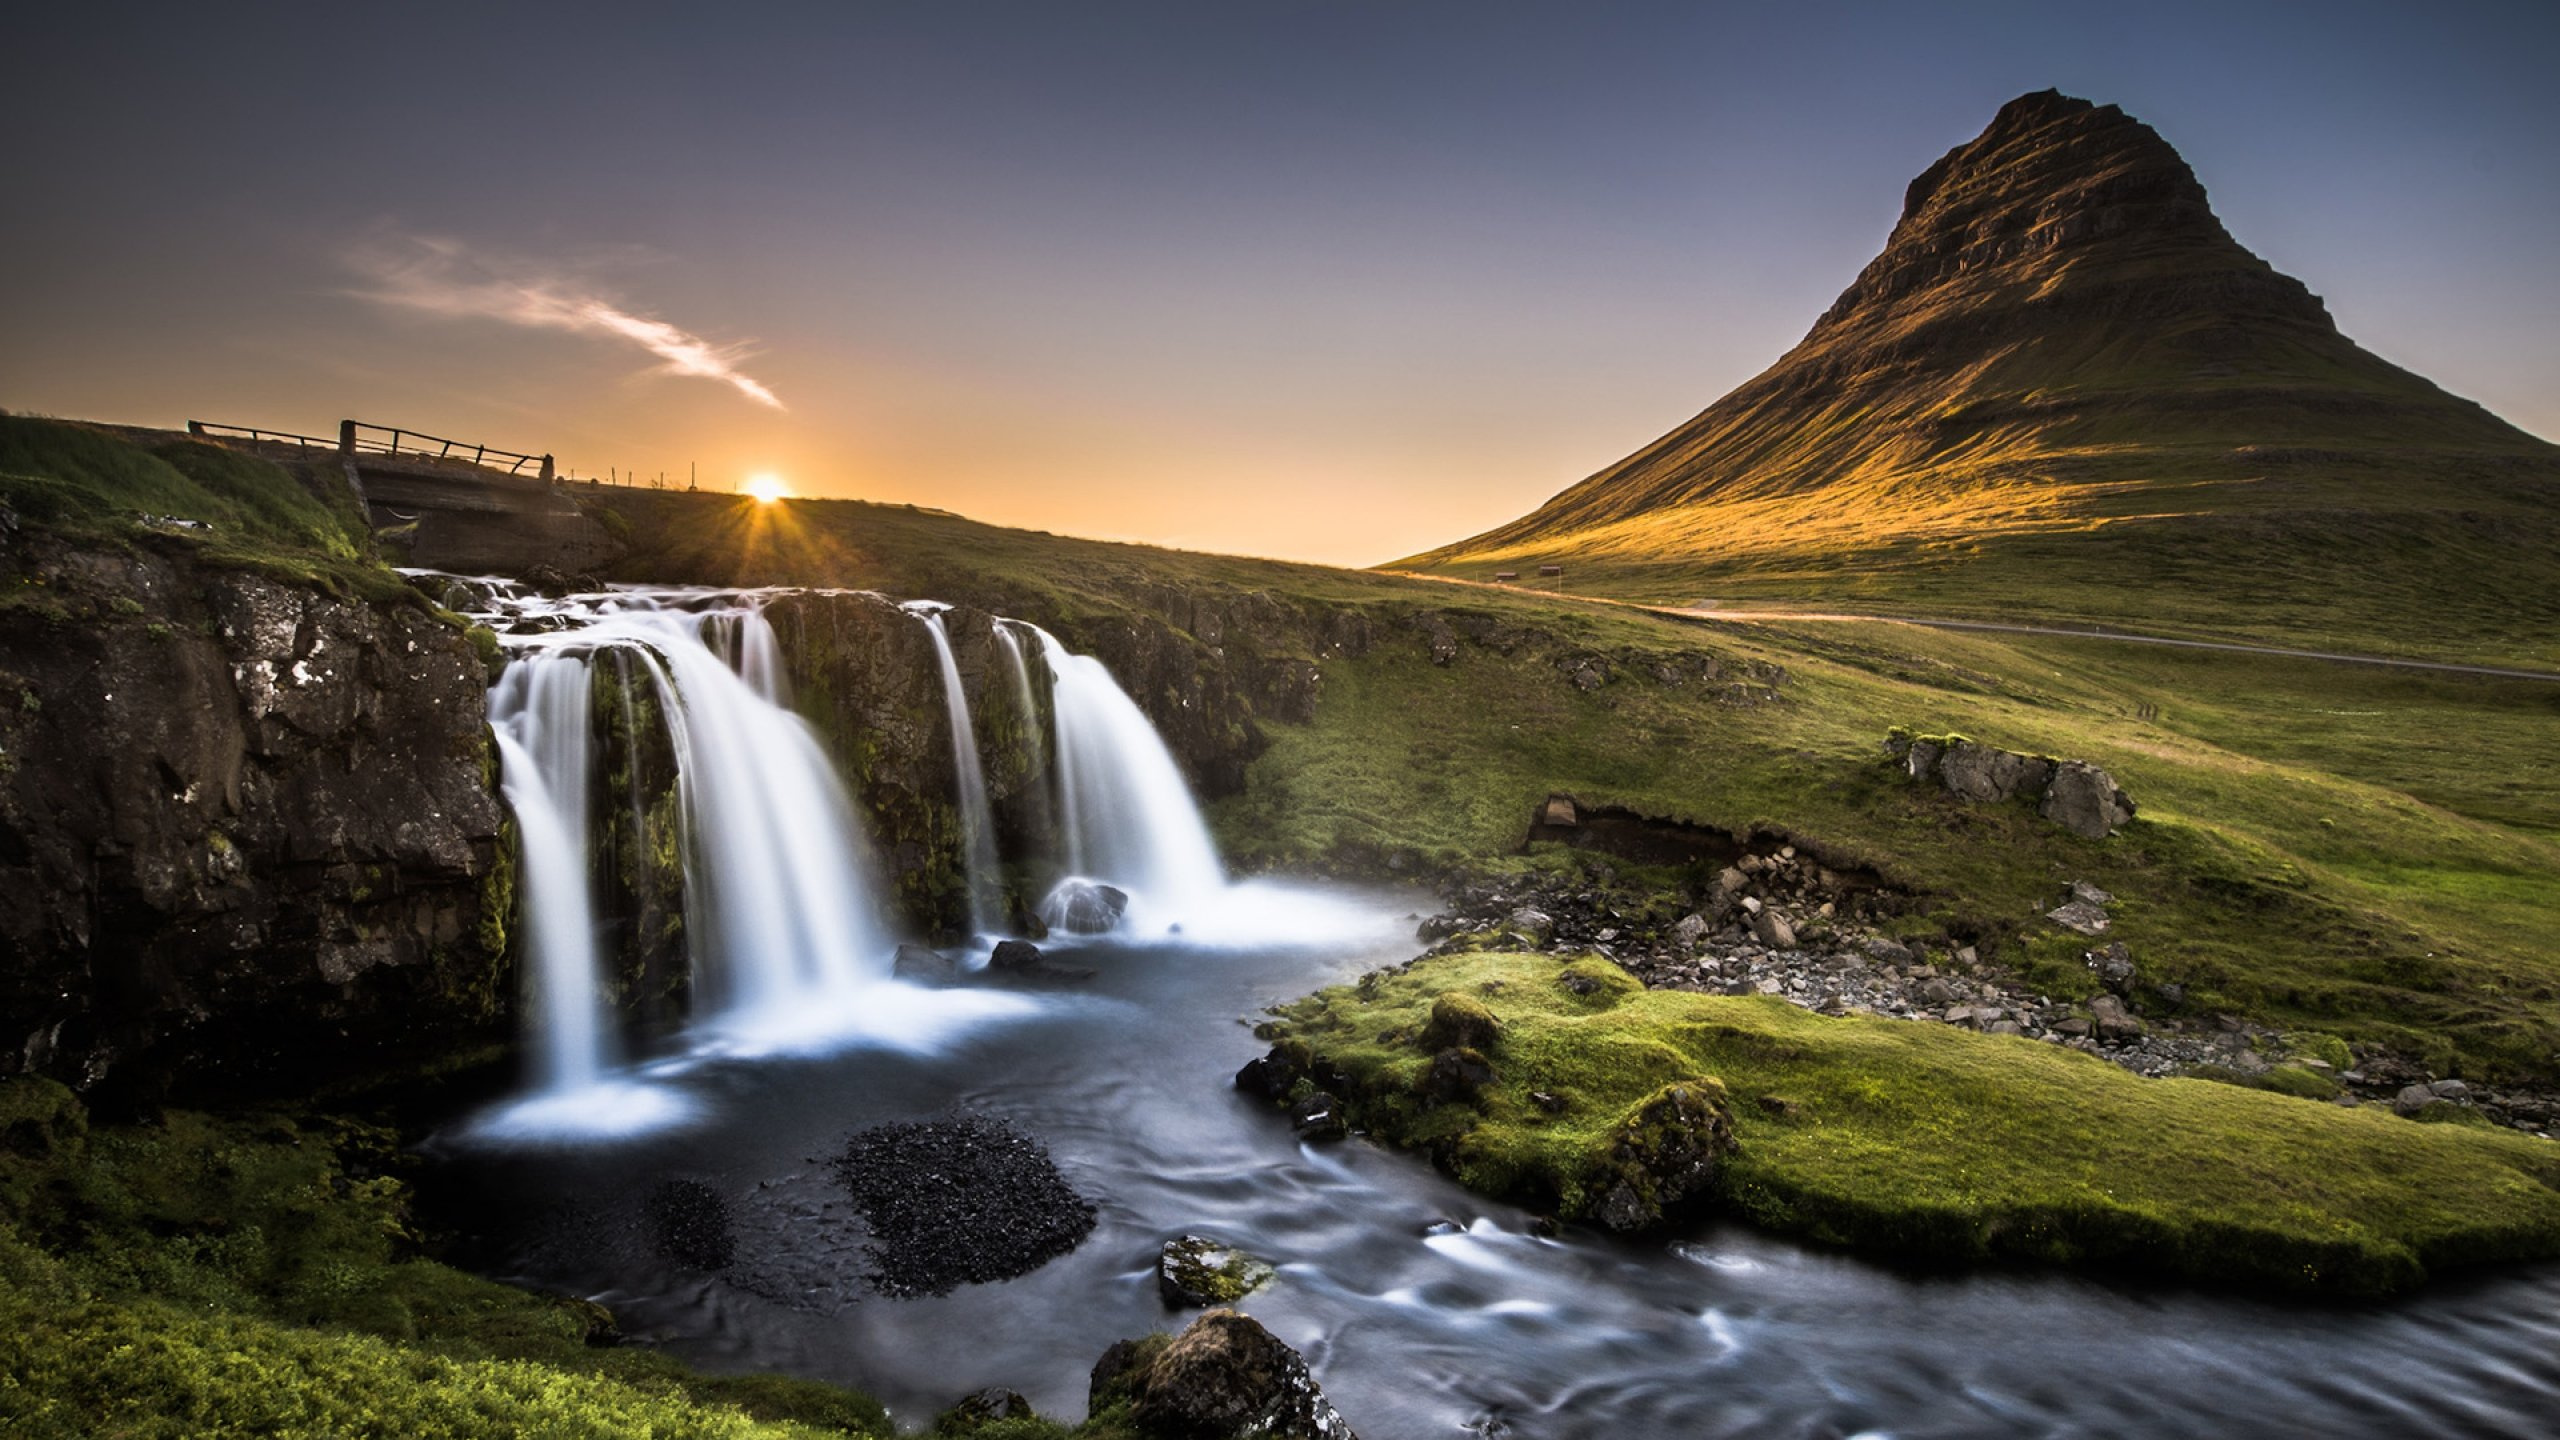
x=2058, y=337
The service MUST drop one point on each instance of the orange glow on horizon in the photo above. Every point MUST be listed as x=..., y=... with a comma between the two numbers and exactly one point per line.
x=767, y=488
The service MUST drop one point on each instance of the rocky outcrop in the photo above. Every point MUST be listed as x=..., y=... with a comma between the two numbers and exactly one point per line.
x=2073, y=794
x=246, y=825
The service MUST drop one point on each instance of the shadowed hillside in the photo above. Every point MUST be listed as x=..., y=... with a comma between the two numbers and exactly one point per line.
x=2064, y=389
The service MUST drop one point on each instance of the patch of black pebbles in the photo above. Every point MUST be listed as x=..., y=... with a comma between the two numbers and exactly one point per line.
x=689, y=1224
x=959, y=1202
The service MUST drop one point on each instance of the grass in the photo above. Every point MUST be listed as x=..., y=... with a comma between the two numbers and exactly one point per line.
x=1935, y=1145
x=258, y=1274
x=2390, y=874
x=94, y=486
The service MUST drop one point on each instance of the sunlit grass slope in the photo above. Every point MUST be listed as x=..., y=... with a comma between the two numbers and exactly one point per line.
x=2064, y=391
x=1938, y=1146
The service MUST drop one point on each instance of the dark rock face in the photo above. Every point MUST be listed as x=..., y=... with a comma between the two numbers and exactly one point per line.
x=245, y=826
x=1227, y=1377
x=959, y=1202
x=918, y=965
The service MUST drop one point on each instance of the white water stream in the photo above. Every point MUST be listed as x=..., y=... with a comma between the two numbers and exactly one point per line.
x=977, y=818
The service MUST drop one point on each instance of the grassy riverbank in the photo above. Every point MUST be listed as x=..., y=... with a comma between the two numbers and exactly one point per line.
x=1927, y=1144
x=259, y=1275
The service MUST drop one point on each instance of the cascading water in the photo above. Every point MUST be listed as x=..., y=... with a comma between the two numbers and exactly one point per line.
x=1035, y=798
x=538, y=712
x=1126, y=815
x=977, y=817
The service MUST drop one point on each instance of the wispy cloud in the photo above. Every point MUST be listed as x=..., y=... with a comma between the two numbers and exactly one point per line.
x=444, y=277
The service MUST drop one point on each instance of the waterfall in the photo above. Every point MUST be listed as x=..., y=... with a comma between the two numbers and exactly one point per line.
x=1035, y=798
x=977, y=818
x=780, y=909
x=1127, y=815
x=538, y=712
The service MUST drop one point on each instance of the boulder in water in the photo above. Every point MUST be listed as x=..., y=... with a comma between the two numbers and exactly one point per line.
x=1086, y=907
x=1223, y=1379
x=1022, y=960
x=1195, y=1271
x=959, y=1202
x=921, y=966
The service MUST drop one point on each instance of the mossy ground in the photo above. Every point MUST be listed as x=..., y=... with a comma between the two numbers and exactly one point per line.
x=257, y=1274
x=1930, y=1144
x=90, y=485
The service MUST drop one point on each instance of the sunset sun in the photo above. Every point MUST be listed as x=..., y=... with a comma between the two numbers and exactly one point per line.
x=767, y=488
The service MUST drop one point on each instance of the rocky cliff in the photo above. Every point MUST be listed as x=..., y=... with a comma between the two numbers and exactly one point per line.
x=246, y=826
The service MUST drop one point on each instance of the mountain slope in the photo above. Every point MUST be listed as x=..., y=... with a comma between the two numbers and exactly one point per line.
x=2063, y=386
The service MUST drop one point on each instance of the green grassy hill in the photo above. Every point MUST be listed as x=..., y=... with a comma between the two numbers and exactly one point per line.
x=2063, y=390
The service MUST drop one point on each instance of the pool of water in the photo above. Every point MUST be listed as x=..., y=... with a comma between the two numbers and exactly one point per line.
x=1424, y=1310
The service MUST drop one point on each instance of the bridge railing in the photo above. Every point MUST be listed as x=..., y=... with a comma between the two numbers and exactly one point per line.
x=212, y=431
x=356, y=437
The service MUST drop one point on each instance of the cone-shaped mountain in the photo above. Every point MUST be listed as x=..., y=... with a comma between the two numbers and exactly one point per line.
x=2060, y=355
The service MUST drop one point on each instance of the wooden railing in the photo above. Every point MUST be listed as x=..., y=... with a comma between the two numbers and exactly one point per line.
x=355, y=437
x=245, y=432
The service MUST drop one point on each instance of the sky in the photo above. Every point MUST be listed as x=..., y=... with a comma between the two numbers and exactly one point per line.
x=1333, y=282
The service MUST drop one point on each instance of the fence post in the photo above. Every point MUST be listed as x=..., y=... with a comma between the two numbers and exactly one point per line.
x=546, y=469
x=346, y=437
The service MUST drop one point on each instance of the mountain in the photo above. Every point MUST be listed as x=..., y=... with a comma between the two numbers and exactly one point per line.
x=2064, y=389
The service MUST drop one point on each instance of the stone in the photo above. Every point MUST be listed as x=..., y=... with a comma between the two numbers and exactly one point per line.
x=1319, y=1117
x=1457, y=1076
x=1668, y=1150
x=2073, y=1027
x=1226, y=1378
x=2086, y=801
x=1269, y=1077
x=1022, y=960
x=919, y=966
x=2083, y=890
x=1086, y=907
x=1886, y=949
x=1560, y=811
x=983, y=1408
x=2450, y=1090
x=1691, y=930
x=1987, y=775
x=1731, y=881
x=2412, y=1099
x=1196, y=1272
x=1008, y=955
x=2114, y=967
x=1773, y=930
x=2112, y=1020
x=1533, y=925
x=2080, y=917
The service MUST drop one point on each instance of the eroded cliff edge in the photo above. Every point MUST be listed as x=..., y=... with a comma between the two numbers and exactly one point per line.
x=247, y=827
